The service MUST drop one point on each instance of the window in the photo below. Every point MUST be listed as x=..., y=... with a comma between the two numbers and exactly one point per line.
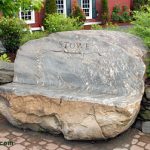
x=87, y=8
x=61, y=6
x=28, y=16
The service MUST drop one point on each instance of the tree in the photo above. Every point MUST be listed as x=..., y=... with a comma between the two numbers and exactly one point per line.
x=51, y=7
x=77, y=12
x=10, y=8
x=105, y=11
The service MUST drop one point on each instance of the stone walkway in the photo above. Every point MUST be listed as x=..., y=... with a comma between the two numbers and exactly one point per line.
x=16, y=139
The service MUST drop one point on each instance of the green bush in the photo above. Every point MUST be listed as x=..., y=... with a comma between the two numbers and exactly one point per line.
x=142, y=24
x=105, y=11
x=11, y=32
x=119, y=15
x=96, y=27
x=5, y=58
x=125, y=17
x=58, y=23
x=141, y=28
x=115, y=17
x=111, y=26
x=116, y=13
x=139, y=3
x=78, y=14
x=51, y=7
x=27, y=36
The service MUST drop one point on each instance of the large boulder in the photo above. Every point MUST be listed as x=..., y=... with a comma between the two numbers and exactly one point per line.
x=6, y=72
x=84, y=84
x=2, y=49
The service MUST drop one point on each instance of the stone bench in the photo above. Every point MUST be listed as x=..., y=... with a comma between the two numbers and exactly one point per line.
x=85, y=84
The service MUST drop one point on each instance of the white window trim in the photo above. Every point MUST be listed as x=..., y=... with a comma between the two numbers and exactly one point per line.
x=32, y=21
x=90, y=9
x=65, y=8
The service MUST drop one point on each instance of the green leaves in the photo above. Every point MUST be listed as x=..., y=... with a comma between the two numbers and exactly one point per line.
x=141, y=28
x=58, y=23
x=10, y=8
x=142, y=24
x=11, y=33
x=51, y=7
x=4, y=57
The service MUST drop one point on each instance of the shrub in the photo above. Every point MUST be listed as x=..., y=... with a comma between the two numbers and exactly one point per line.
x=51, y=7
x=139, y=3
x=96, y=27
x=77, y=12
x=116, y=13
x=4, y=57
x=27, y=36
x=125, y=17
x=58, y=23
x=105, y=12
x=141, y=28
x=111, y=26
x=11, y=31
x=142, y=24
x=119, y=15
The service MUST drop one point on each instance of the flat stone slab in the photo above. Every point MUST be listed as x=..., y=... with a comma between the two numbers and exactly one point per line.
x=84, y=84
x=146, y=127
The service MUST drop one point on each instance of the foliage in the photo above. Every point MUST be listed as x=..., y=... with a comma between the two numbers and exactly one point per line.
x=96, y=27
x=125, y=17
x=77, y=12
x=142, y=24
x=27, y=36
x=11, y=31
x=116, y=13
x=141, y=28
x=140, y=3
x=58, y=23
x=51, y=7
x=111, y=26
x=4, y=57
x=10, y=8
x=119, y=15
x=105, y=11
x=108, y=26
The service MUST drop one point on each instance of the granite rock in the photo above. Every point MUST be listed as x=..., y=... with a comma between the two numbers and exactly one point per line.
x=84, y=84
x=6, y=72
x=2, y=49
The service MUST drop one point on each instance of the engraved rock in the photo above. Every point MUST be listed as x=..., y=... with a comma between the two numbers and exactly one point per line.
x=84, y=84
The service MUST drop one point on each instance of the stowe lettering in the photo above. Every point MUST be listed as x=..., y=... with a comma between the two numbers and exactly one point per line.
x=73, y=45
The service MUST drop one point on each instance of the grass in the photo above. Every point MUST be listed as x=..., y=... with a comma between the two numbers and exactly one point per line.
x=35, y=35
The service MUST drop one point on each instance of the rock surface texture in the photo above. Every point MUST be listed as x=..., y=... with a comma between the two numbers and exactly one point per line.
x=6, y=72
x=84, y=84
x=2, y=49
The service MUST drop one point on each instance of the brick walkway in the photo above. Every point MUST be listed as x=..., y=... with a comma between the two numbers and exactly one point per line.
x=28, y=140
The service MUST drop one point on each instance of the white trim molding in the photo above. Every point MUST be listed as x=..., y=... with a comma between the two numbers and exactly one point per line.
x=90, y=9
x=91, y=23
x=62, y=10
x=32, y=15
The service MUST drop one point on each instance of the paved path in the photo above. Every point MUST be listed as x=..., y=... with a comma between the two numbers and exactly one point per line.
x=28, y=140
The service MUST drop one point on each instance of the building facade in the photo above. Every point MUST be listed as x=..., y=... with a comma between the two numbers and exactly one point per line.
x=91, y=8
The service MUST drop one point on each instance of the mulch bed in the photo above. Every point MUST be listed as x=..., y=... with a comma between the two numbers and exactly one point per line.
x=11, y=56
